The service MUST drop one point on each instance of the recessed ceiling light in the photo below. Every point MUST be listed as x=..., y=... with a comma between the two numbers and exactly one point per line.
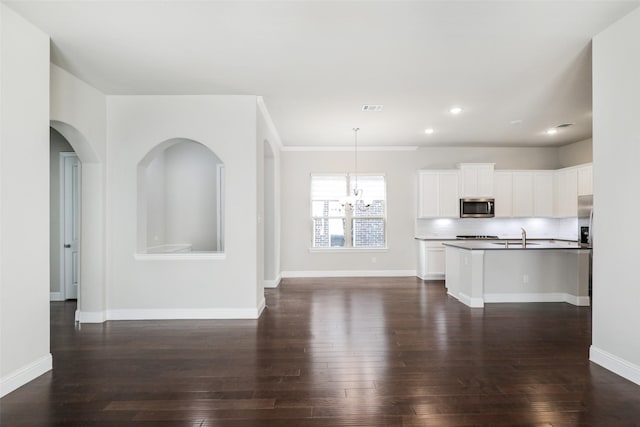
x=455, y=110
x=552, y=131
x=428, y=131
x=516, y=122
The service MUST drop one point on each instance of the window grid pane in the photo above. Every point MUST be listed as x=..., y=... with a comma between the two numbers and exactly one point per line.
x=368, y=232
x=362, y=226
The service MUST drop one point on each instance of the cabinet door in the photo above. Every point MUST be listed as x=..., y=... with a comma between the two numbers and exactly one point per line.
x=448, y=199
x=572, y=193
x=522, y=194
x=543, y=194
x=435, y=261
x=427, y=194
x=503, y=192
x=477, y=180
x=432, y=260
x=567, y=193
x=585, y=180
x=469, y=182
x=485, y=181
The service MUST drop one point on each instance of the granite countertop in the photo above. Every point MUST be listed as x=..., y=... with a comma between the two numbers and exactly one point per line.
x=499, y=238
x=429, y=238
x=515, y=244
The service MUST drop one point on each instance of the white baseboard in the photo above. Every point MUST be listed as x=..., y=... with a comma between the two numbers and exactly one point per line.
x=471, y=302
x=190, y=313
x=90, y=316
x=615, y=364
x=273, y=283
x=433, y=276
x=576, y=300
x=170, y=314
x=56, y=296
x=537, y=297
x=261, y=307
x=23, y=375
x=349, y=273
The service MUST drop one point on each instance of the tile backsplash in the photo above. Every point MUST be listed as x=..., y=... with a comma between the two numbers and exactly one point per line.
x=560, y=228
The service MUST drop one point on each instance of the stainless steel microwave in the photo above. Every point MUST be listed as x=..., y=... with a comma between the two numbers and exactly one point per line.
x=477, y=208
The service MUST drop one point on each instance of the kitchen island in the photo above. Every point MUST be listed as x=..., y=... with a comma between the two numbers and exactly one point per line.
x=479, y=272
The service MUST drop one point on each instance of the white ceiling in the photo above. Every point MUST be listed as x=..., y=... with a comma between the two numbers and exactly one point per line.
x=317, y=62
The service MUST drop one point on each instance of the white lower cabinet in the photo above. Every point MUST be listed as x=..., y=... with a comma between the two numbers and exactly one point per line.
x=431, y=263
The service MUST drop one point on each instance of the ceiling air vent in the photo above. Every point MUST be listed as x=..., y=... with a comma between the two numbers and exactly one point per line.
x=369, y=107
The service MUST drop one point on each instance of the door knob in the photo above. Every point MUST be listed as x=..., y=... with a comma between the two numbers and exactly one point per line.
x=67, y=245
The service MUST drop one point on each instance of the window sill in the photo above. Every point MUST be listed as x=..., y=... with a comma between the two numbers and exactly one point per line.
x=348, y=250
x=186, y=256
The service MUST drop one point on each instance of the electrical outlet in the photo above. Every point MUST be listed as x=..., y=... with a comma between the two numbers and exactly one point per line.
x=525, y=278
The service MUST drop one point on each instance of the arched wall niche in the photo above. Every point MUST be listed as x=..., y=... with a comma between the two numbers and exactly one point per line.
x=180, y=199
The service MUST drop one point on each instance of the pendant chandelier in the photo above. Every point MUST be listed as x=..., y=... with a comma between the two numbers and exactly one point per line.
x=354, y=198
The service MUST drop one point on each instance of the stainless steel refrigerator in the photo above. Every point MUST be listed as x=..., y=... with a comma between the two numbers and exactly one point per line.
x=585, y=221
x=585, y=230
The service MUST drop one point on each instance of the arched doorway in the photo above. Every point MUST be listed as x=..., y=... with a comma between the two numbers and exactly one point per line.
x=88, y=259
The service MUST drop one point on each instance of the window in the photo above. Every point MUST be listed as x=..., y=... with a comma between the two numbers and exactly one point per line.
x=336, y=225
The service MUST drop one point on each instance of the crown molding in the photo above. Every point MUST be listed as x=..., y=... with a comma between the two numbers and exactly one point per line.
x=342, y=148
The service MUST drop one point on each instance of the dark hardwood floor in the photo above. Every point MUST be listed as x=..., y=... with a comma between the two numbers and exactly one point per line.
x=331, y=352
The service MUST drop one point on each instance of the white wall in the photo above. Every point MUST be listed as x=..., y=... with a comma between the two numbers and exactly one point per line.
x=210, y=286
x=154, y=191
x=24, y=202
x=58, y=145
x=578, y=153
x=271, y=270
x=616, y=175
x=269, y=182
x=400, y=170
x=78, y=112
x=190, y=204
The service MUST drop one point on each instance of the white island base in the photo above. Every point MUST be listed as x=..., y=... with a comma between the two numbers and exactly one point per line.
x=475, y=276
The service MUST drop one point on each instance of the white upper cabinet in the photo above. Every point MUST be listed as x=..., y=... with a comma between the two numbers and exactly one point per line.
x=517, y=193
x=566, y=186
x=438, y=194
x=503, y=193
x=543, y=194
x=585, y=180
x=522, y=194
x=477, y=179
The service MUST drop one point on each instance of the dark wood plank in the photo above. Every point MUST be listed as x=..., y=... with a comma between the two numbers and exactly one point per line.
x=331, y=352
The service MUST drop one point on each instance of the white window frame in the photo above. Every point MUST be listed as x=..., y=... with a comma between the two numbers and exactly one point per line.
x=348, y=217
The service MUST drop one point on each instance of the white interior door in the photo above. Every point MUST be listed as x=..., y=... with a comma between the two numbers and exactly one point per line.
x=70, y=224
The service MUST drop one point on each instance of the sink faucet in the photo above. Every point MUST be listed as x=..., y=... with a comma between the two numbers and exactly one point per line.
x=524, y=237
